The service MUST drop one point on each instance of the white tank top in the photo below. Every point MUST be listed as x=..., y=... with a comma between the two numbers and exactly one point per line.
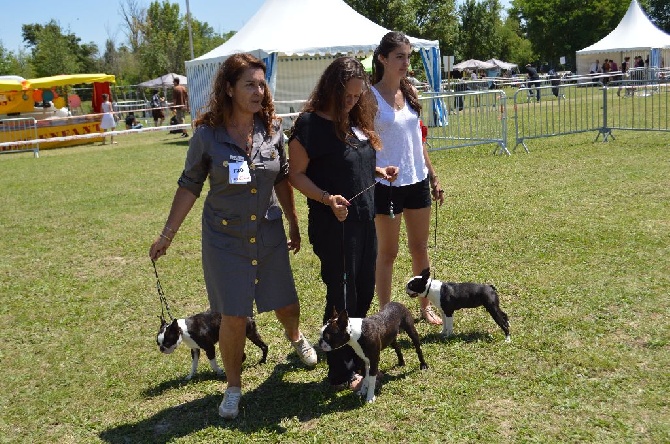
x=400, y=134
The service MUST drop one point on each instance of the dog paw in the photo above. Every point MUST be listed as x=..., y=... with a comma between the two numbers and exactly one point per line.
x=188, y=377
x=423, y=366
x=371, y=400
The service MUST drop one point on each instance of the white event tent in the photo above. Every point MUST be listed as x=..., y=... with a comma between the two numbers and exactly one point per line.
x=635, y=35
x=298, y=39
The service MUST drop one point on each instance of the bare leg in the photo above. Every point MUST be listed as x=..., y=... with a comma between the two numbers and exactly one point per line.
x=388, y=235
x=417, y=223
x=232, y=336
x=289, y=317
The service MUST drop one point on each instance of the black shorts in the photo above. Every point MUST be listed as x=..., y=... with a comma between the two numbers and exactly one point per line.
x=412, y=197
x=157, y=113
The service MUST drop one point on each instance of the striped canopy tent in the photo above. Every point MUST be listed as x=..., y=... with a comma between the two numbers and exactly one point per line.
x=297, y=44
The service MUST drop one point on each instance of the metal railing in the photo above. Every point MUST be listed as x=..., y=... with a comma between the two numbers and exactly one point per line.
x=21, y=128
x=636, y=105
x=470, y=118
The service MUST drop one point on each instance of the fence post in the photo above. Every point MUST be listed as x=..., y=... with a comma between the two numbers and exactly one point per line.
x=605, y=130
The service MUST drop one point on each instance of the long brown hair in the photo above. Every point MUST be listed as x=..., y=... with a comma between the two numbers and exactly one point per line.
x=329, y=95
x=390, y=42
x=220, y=106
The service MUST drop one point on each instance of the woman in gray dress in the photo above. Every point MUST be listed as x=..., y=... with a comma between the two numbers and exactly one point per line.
x=239, y=145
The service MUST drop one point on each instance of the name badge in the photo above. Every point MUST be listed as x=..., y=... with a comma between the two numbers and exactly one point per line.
x=238, y=172
x=359, y=134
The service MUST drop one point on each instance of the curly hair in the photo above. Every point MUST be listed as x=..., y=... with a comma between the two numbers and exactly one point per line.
x=329, y=95
x=220, y=105
x=390, y=42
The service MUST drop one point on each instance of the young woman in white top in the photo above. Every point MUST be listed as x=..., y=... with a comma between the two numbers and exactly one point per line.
x=409, y=197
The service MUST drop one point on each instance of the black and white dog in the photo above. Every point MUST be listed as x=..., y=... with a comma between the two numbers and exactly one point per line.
x=201, y=331
x=369, y=336
x=451, y=296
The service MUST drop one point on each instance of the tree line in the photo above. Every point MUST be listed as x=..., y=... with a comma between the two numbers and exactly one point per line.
x=157, y=42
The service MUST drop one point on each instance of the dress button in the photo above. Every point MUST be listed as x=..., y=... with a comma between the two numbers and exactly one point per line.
x=252, y=240
x=254, y=262
x=253, y=217
x=225, y=163
x=252, y=166
x=256, y=281
x=224, y=222
x=254, y=191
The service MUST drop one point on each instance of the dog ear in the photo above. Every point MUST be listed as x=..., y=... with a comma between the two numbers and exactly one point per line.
x=334, y=316
x=343, y=319
x=425, y=273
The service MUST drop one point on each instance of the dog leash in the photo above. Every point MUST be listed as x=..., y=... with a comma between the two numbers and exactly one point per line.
x=161, y=295
x=344, y=256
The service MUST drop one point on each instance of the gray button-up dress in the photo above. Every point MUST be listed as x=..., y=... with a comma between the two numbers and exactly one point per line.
x=244, y=246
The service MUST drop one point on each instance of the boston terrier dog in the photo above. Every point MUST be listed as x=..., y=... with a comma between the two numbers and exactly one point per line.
x=369, y=336
x=451, y=296
x=201, y=331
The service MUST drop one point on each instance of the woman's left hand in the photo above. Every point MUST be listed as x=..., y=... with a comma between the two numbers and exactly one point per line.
x=293, y=237
x=436, y=190
x=390, y=173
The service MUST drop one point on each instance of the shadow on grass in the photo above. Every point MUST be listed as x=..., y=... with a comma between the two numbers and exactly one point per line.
x=261, y=409
x=181, y=141
x=473, y=336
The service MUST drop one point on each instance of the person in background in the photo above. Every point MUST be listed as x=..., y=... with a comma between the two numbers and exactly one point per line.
x=332, y=148
x=131, y=121
x=157, y=108
x=413, y=80
x=409, y=198
x=595, y=67
x=534, y=80
x=238, y=145
x=108, y=121
x=180, y=98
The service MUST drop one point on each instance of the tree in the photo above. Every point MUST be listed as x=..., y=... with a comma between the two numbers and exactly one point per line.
x=561, y=27
x=57, y=52
x=480, y=29
x=659, y=12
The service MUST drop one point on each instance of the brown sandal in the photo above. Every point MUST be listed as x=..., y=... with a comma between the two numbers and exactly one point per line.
x=430, y=316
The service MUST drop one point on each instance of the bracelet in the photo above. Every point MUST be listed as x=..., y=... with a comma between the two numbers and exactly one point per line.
x=323, y=196
x=167, y=227
x=165, y=237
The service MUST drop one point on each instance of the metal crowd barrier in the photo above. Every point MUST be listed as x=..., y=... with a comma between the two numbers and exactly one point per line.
x=461, y=119
x=22, y=128
x=636, y=105
x=572, y=109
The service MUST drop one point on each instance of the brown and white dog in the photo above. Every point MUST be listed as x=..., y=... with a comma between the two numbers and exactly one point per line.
x=369, y=336
x=452, y=296
x=201, y=331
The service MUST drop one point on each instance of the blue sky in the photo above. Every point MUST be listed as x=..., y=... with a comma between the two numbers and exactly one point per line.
x=88, y=20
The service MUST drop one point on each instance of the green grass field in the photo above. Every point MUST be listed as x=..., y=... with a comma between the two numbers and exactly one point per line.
x=575, y=236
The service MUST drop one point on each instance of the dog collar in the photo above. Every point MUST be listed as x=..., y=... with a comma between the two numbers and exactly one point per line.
x=428, y=287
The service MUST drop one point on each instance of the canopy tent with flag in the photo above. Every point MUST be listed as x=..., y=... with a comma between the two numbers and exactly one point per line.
x=474, y=64
x=164, y=81
x=297, y=52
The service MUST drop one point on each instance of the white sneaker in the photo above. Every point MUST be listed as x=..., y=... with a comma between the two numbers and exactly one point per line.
x=231, y=398
x=305, y=350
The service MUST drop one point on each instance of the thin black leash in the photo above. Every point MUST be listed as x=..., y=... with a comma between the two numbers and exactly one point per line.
x=161, y=295
x=344, y=256
x=435, y=231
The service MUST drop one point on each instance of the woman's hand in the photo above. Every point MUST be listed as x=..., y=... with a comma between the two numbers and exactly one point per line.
x=436, y=190
x=293, y=237
x=389, y=173
x=339, y=206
